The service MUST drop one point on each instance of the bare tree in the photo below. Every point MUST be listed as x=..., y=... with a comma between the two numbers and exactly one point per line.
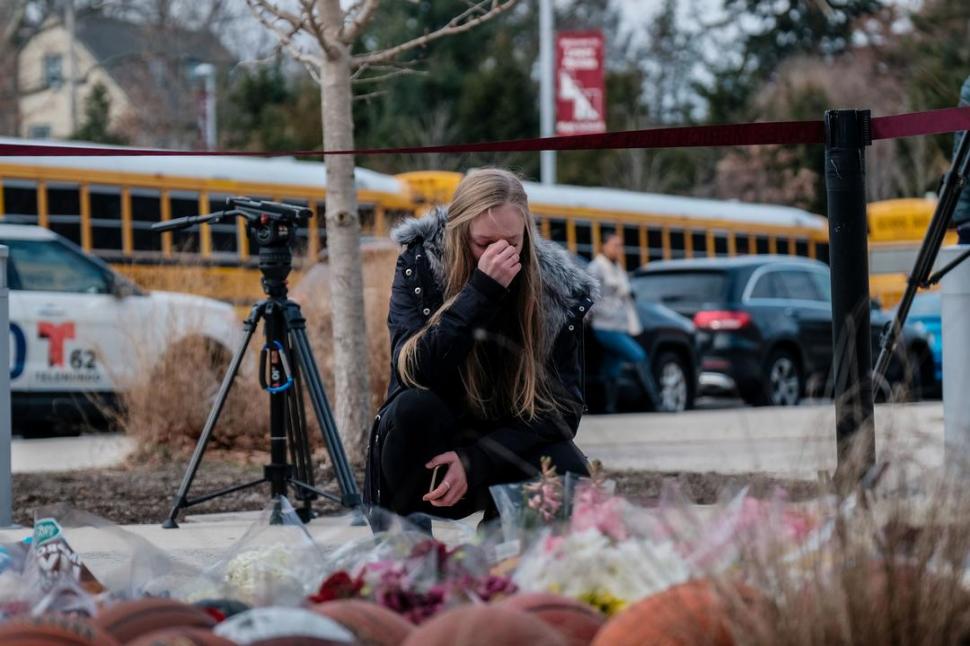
x=321, y=34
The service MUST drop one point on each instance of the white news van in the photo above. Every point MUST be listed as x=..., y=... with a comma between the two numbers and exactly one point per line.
x=77, y=327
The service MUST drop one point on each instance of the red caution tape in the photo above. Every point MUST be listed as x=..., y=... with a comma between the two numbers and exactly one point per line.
x=741, y=134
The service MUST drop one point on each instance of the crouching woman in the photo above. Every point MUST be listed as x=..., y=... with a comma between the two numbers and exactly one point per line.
x=486, y=368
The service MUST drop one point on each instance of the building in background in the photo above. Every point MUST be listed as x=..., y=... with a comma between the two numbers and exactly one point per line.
x=146, y=71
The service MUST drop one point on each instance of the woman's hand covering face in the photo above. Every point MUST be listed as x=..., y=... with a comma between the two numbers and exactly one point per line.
x=501, y=262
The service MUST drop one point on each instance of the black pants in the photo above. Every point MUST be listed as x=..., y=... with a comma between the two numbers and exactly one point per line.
x=418, y=425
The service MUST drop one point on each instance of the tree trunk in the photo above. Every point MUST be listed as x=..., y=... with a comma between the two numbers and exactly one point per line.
x=350, y=350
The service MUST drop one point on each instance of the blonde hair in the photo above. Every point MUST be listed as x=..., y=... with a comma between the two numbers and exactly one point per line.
x=520, y=387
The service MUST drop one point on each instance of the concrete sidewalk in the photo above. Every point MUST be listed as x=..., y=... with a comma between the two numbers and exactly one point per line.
x=94, y=451
x=787, y=442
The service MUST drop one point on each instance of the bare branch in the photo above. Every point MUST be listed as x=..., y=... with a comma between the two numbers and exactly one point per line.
x=370, y=95
x=260, y=8
x=469, y=19
x=378, y=78
x=364, y=12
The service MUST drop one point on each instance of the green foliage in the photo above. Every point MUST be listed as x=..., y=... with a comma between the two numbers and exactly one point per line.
x=97, y=117
x=269, y=109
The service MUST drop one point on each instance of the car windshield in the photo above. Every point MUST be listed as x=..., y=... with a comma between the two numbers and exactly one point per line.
x=926, y=305
x=49, y=266
x=681, y=290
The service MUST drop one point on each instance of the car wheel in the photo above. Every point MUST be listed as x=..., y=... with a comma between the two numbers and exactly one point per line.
x=784, y=382
x=670, y=373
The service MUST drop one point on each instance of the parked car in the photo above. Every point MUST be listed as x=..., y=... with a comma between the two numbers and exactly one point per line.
x=925, y=317
x=78, y=330
x=764, y=325
x=669, y=340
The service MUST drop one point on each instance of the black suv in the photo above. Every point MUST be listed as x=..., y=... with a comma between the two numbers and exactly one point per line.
x=764, y=326
x=669, y=341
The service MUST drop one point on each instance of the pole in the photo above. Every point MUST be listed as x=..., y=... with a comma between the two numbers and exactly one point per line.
x=70, y=25
x=6, y=484
x=207, y=72
x=847, y=133
x=955, y=312
x=547, y=85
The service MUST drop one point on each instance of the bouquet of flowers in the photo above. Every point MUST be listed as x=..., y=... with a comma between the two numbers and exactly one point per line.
x=418, y=584
x=601, y=558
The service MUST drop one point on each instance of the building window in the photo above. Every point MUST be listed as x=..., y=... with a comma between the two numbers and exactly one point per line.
x=53, y=70
x=39, y=131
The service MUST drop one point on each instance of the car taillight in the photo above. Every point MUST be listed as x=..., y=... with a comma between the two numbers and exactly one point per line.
x=721, y=320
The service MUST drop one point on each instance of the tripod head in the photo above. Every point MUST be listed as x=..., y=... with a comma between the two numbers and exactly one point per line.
x=271, y=227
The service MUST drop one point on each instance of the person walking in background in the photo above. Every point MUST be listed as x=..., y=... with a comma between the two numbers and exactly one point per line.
x=616, y=325
x=961, y=214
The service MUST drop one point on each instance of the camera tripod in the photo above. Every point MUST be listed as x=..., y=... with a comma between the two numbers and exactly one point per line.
x=953, y=183
x=272, y=227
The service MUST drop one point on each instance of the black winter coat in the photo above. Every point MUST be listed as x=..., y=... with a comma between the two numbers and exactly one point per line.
x=417, y=293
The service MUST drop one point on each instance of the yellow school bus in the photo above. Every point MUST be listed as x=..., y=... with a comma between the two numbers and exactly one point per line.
x=654, y=227
x=896, y=230
x=108, y=204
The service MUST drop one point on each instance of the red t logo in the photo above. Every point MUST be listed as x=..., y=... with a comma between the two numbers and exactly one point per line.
x=56, y=334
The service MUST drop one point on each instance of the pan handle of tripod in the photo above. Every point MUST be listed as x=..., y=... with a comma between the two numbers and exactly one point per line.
x=284, y=362
x=189, y=220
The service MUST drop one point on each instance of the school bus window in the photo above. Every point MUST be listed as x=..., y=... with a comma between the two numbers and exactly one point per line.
x=741, y=244
x=183, y=204
x=223, y=233
x=631, y=245
x=64, y=211
x=700, y=244
x=146, y=209
x=557, y=230
x=655, y=244
x=366, y=219
x=783, y=245
x=801, y=248
x=392, y=217
x=677, y=242
x=20, y=201
x=584, y=239
x=322, y=224
x=761, y=245
x=106, y=220
x=720, y=244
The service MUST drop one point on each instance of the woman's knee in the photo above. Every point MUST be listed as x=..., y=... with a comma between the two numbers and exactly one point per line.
x=414, y=408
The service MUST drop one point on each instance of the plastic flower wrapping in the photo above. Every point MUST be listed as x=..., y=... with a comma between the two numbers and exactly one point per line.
x=412, y=574
x=600, y=555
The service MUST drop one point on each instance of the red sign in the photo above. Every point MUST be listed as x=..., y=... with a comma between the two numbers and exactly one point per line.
x=580, y=92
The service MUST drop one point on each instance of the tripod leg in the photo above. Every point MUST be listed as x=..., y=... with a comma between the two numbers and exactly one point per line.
x=180, y=498
x=318, y=397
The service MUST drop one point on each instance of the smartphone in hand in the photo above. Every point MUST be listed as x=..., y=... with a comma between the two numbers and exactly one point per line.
x=434, y=479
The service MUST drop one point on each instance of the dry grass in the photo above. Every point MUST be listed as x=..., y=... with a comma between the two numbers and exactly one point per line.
x=886, y=565
x=164, y=403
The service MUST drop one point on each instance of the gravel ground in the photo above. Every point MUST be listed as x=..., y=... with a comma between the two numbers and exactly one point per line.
x=143, y=494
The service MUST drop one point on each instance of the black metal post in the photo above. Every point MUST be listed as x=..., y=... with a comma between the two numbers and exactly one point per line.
x=847, y=133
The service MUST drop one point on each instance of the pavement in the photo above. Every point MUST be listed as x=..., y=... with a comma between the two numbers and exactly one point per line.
x=787, y=442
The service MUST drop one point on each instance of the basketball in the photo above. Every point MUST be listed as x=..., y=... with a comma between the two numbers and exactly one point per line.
x=684, y=615
x=129, y=620
x=181, y=637
x=372, y=625
x=574, y=620
x=54, y=630
x=481, y=625
x=298, y=641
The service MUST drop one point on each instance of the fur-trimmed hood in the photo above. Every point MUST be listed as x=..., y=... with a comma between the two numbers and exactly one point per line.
x=567, y=288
